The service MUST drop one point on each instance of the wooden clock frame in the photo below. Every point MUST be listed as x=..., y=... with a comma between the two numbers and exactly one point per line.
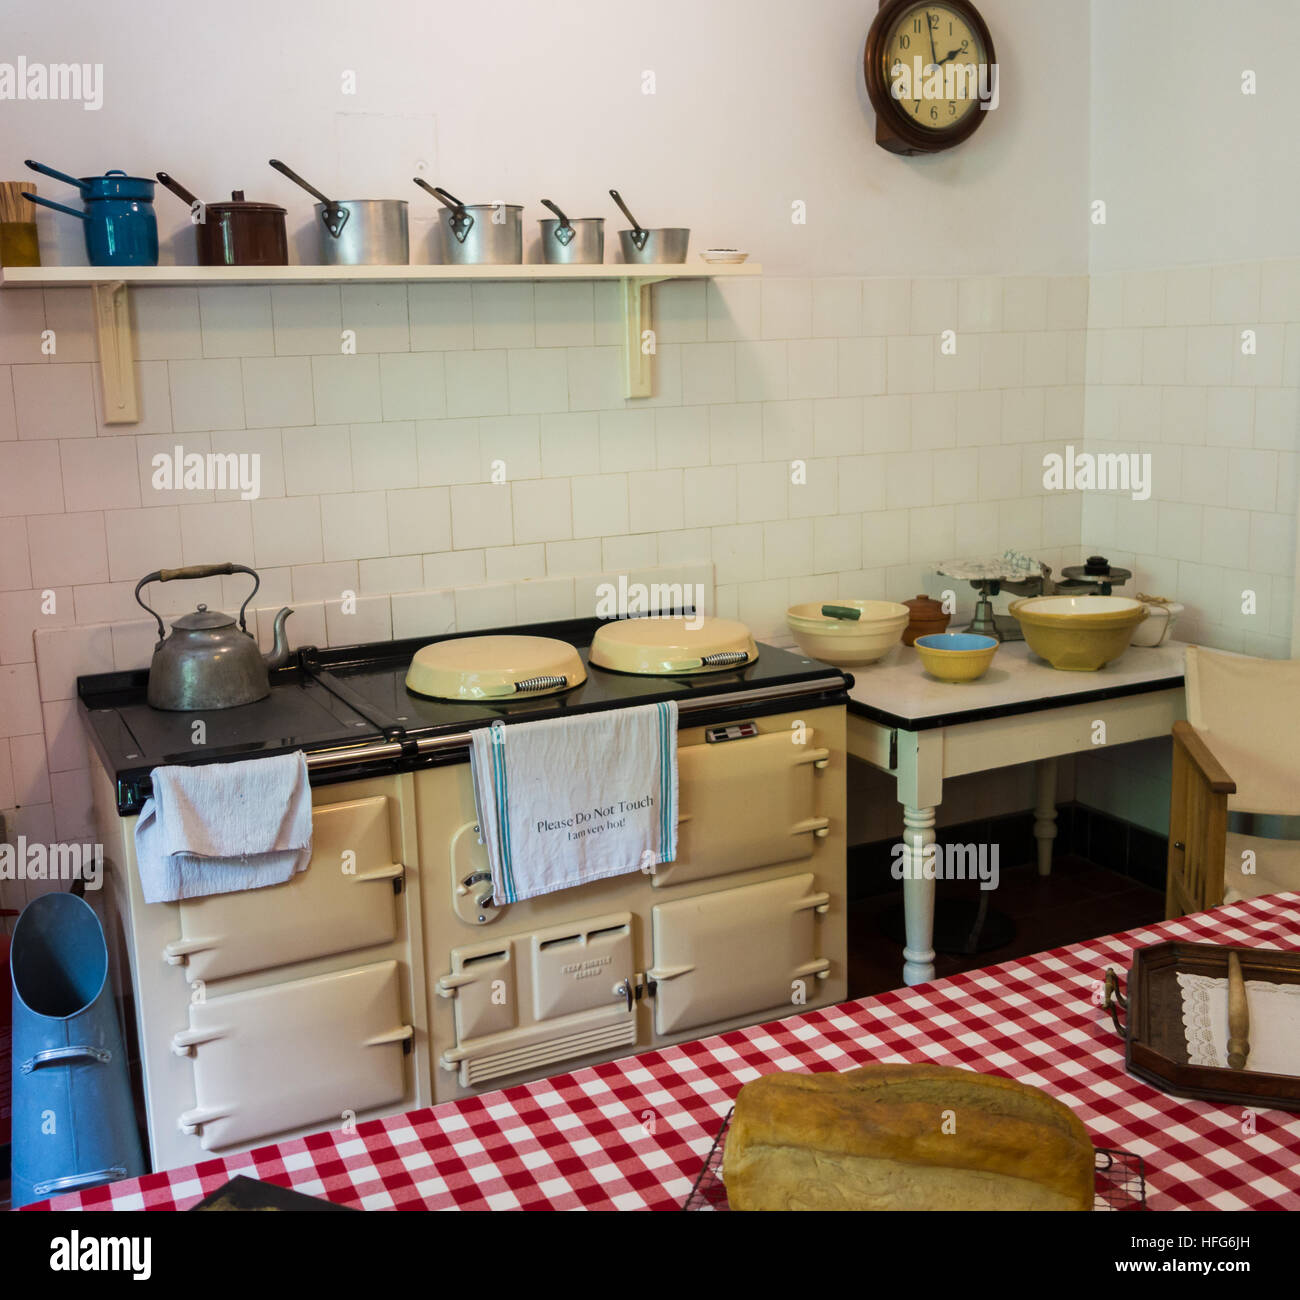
x=895, y=130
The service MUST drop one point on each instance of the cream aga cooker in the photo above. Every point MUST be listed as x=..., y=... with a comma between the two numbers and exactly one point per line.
x=398, y=980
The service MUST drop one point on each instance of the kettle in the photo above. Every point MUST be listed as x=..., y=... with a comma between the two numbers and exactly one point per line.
x=208, y=662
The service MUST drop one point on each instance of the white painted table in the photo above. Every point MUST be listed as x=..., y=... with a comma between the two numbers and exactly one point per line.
x=921, y=731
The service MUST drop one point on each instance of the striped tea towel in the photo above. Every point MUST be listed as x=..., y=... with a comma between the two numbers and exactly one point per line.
x=569, y=800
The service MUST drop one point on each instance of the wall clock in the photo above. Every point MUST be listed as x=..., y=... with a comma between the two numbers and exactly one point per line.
x=926, y=66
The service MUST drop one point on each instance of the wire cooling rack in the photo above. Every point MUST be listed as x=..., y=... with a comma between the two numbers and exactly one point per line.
x=1120, y=1180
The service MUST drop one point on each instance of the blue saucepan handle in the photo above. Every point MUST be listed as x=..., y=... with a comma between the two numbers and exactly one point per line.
x=58, y=207
x=58, y=176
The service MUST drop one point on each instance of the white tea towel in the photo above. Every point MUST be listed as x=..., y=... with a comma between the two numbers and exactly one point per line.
x=569, y=800
x=1274, y=1033
x=221, y=827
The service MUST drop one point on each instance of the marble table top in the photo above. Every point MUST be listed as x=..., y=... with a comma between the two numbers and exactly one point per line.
x=898, y=692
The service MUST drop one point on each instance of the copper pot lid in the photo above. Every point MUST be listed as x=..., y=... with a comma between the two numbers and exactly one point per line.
x=494, y=667
x=668, y=647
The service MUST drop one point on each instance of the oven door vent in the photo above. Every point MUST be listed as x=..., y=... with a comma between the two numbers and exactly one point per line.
x=484, y=1061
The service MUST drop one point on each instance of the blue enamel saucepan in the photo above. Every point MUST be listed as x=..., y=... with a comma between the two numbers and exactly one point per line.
x=121, y=229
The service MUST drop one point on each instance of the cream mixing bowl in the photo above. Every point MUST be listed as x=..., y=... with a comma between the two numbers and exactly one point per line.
x=847, y=641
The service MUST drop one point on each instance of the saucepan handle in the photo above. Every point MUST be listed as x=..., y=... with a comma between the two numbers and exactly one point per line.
x=57, y=175
x=50, y=203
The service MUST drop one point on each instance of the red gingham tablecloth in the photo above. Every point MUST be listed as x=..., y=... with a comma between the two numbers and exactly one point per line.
x=633, y=1134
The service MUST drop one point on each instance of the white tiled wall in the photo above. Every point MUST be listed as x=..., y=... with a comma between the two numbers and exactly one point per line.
x=474, y=462
x=1168, y=374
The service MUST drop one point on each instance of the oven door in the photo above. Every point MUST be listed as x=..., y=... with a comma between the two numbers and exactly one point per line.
x=530, y=1000
x=284, y=1056
x=345, y=899
x=746, y=800
x=737, y=952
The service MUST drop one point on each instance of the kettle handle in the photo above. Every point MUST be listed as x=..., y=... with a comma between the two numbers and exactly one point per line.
x=198, y=571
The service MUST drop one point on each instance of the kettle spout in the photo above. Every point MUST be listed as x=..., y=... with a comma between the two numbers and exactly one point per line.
x=279, y=655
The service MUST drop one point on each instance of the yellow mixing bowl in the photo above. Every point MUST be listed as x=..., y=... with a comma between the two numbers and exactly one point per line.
x=1078, y=633
x=956, y=656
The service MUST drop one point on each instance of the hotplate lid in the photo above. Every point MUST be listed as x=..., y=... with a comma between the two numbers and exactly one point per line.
x=494, y=667
x=669, y=647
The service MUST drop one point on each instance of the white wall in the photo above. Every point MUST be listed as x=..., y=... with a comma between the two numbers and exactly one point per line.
x=1193, y=171
x=757, y=103
x=1202, y=185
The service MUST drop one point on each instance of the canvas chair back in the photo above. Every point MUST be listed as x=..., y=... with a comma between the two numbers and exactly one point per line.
x=1249, y=712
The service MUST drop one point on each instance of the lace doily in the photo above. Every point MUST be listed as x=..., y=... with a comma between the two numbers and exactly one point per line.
x=1274, y=1023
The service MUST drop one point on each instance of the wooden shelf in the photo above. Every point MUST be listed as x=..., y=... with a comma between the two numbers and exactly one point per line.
x=111, y=287
x=64, y=276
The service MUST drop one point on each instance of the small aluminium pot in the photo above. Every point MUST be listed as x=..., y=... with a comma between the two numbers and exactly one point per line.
x=374, y=234
x=667, y=244
x=576, y=241
x=492, y=236
x=356, y=232
x=644, y=246
x=120, y=226
x=479, y=234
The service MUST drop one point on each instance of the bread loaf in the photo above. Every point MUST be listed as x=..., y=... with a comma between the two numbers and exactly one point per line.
x=904, y=1137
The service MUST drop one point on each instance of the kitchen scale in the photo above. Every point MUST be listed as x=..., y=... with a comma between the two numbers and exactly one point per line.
x=1011, y=572
x=1024, y=576
x=1095, y=577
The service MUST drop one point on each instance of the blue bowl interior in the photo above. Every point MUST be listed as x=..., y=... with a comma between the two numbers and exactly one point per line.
x=956, y=641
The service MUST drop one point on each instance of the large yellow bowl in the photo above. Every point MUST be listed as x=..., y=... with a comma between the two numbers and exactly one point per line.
x=1078, y=633
x=956, y=656
x=846, y=641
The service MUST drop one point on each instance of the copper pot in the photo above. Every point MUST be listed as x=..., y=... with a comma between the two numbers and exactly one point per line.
x=238, y=233
x=927, y=616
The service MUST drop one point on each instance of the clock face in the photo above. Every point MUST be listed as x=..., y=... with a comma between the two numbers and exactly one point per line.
x=950, y=54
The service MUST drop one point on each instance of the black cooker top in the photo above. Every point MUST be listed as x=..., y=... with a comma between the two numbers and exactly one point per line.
x=356, y=696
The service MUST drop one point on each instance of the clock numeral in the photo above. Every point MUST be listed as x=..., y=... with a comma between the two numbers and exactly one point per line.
x=916, y=27
x=904, y=42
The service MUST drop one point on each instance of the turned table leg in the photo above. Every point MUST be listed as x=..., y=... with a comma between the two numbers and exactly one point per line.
x=918, y=896
x=1045, y=813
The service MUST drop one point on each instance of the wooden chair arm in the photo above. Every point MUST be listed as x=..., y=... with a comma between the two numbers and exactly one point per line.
x=1214, y=773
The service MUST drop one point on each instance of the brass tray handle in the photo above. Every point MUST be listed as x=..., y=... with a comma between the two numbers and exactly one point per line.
x=1114, y=1001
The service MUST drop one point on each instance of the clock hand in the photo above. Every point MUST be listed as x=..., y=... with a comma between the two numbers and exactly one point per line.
x=952, y=54
x=929, y=27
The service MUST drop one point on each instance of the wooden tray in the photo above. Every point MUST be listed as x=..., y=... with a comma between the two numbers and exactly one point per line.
x=1155, y=1043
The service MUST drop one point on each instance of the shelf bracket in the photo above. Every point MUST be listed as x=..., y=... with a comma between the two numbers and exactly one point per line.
x=116, y=352
x=638, y=334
